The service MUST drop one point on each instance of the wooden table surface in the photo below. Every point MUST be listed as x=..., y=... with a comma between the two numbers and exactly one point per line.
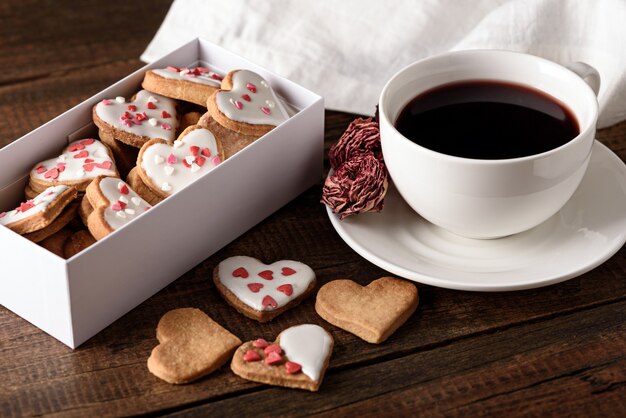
x=559, y=350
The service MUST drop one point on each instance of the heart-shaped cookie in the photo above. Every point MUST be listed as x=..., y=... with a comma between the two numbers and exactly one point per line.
x=191, y=345
x=193, y=84
x=372, y=312
x=167, y=168
x=79, y=163
x=146, y=116
x=260, y=291
x=247, y=104
x=298, y=358
x=114, y=205
x=39, y=212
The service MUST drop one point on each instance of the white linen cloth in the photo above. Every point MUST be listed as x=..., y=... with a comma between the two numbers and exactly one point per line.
x=346, y=50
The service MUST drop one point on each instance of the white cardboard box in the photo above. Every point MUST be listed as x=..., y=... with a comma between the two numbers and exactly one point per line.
x=74, y=299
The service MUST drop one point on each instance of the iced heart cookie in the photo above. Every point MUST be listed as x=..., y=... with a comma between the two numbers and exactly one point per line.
x=373, y=312
x=298, y=358
x=146, y=116
x=114, y=205
x=193, y=84
x=39, y=213
x=260, y=291
x=191, y=345
x=137, y=184
x=167, y=168
x=79, y=163
x=246, y=104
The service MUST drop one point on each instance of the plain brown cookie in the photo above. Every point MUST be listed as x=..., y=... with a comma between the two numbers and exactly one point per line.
x=137, y=184
x=188, y=119
x=85, y=209
x=77, y=242
x=179, y=88
x=125, y=155
x=373, y=312
x=232, y=142
x=191, y=345
x=297, y=359
x=56, y=242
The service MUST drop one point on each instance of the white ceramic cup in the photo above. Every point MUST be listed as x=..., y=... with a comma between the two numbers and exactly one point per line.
x=489, y=198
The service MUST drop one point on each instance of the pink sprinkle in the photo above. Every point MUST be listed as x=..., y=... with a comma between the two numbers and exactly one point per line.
x=116, y=207
x=106, y=102
x=171, y=68
x=171, y=159
x=238, y=104
x=260, y=343
x=251, y=87
x=266, y=110
x=202, y=69
x=190, y=74
x=216, y=160
x=166, y=126
x=49, y=193
x=2, y=215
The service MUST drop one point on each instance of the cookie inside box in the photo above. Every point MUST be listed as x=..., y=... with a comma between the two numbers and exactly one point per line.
x=73, y=299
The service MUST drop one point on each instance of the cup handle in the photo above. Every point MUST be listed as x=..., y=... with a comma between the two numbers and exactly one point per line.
x=590, y=75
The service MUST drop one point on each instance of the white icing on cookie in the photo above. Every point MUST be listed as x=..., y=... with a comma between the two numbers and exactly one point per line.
x=200, y=75
x=82, y=159
x=248, y=279
x=309, y=346
x=251, y=100
x=173, y=167
x=134, y=116
x=124, y=204
x=33, y=206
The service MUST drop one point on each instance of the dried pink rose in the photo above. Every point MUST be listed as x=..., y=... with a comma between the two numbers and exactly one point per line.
x=361, y=137
x=359, y=185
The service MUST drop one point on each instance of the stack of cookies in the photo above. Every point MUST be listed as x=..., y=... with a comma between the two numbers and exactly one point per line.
x=181, y=125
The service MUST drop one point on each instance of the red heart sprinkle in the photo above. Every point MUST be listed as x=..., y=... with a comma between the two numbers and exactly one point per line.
x=200, y=160
x=246, y=97
x=61, y=167
x=251, y=87
x=267, y=274
x=260, y=343
x=287, y=271
x=273, y=358
x=171, y=159
x=165, y=115
x=287, y=289
x=122, y=204
x=186, y=164
x=251, y=355
x=269, y=301
x=273, y=348
x=40, y=169
x=206, y=152
x=88, y=141
x=217, y=77
x=116, y=206
x=127, y=115
x=106, y=165
x=201, y=69
x=241, y=272
x=25, y=206
x=292, y=367
x=123, y=188
x=132, y=108
x=141, y=116
x=151, y=105
x=194, y=150
x=89, y=166
x=89, y=160
x=83, y=154
x=266, y=110
x=76, y=147
x=255, y=287
x=171, y=68
x=52, y=174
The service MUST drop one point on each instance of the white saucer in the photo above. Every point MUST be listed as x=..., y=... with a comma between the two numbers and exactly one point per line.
x=589, y=229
